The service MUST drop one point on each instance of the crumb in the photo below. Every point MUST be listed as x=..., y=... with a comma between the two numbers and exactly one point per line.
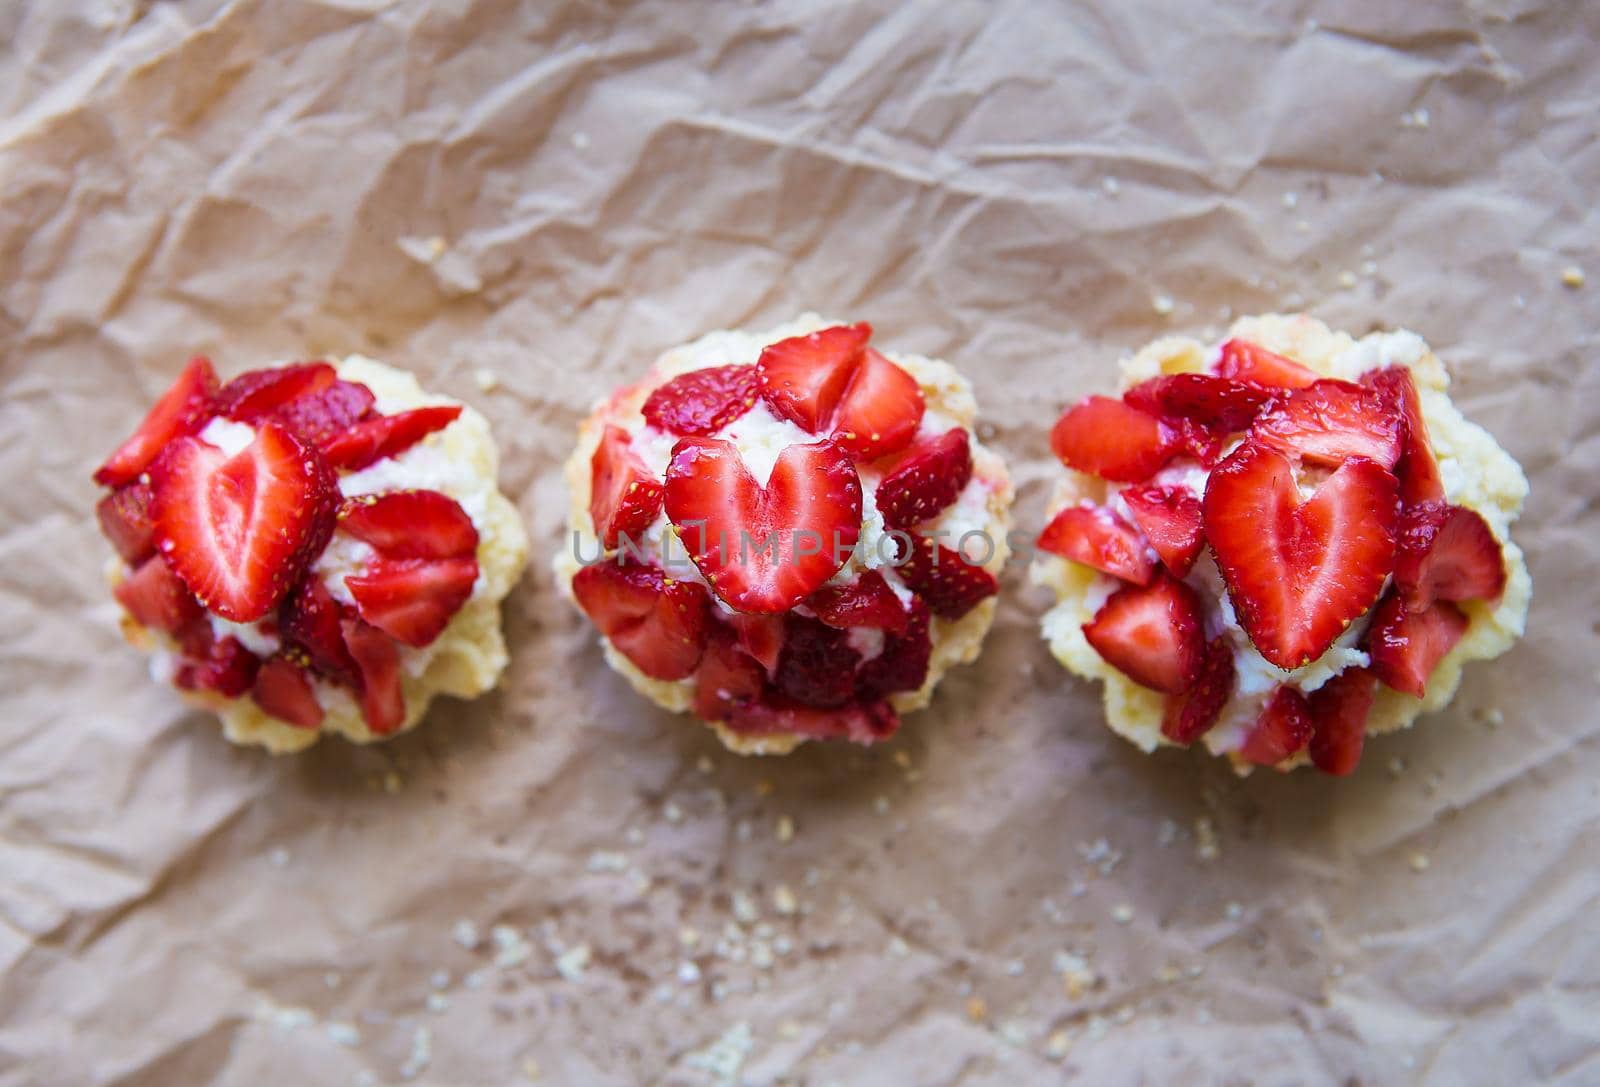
x=1234, y=911
x=1290, y=199
x=1572, y=276
x=421, y=1054
x=688, y=972
x=510, y=949
x=605, y=860
x=1347, y=280
x=745, y=908
x=1057, y=1045
x=764, y=788
x=572, y=963
x=1419, y=862
x=1162, y=305
x=1122, y=914
x=899, y=948
x=530, y=1069
x=688, y=937
x=391, y=782
x=278, y=857
x=1417, y=118
x=784, y=830
x=671, y=812
x=881, y=805
x=437, y=1002
x=1205, y=836
x=703, y=764
x=465, y=933
x=977, y=1010
x=488, y=381
x=580, y=140
x=1109, y=184
x=1016, y=968
x=784, y=901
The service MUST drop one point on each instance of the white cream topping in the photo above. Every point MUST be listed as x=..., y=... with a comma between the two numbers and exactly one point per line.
x=227, y=435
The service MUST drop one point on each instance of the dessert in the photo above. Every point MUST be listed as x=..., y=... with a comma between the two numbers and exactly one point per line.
x=1281, y=544
x=312, y=547
x=793, y=535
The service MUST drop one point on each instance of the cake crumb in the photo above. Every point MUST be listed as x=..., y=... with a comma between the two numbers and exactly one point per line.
x=1290, y=199
x=784, y=829
x=465, y=933
x=1419, y=862
x=488, y=381
x=784, y=901
x=510, y=949
x=1122, y=914
x=1110, y=186
x=703, y=764
x=1347, y=280
x=573, y=962
x=1057, y=1045
x=531, y=1070
x=977, y=1009
x=1397, y=766
x=1572, y=276
x=391, y=782
x=421, y=1054
x=880, y=805
x=1162, y=305
x=344, y=1034
x=1205, y=836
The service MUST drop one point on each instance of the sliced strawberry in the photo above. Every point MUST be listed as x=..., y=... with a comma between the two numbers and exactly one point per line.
x=1216, y=403
x=1447, y=553
x=1169, y=517
x=221, y=665
x=413, y=600
x=1283, y=728
x=1299, y=573
x=950, y=584
x=817, y=666
x=1417, y=469
x=1152, y=634
x=411, y=524
x=759, y=636
x=704, y=401
x=926, y=481
x=183, y=409
x=865, y=602
x=1190, y=715
x=377, y=658
x=881, y=410
x=773, y=713
x=624, y=498
x=1113, y=440
x=157, y=598
x=254, y=393
x=239, y=530
x=1406, y=644
x=1099, y=538
x=386, y=435
x=1339, y=711
x=124, y=517
x=1244, y=361
x=1331, y=421
x=803, y=378
x=659, y=623
x=764, y=549
x=284, y=690
x=310, y=621
x=726, y=681
x=320, y=417
x=903, y=664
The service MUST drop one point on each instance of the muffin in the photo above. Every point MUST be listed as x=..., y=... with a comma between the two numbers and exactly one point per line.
x=792, y=535
x=1280, y=544
x=312, y=547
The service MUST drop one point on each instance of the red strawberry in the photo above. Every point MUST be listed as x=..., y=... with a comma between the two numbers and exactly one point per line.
x=703, y=401
x=1107, y=438
x=1251, y=363
x=1339, y=711
x=157, y=598
x=817, y=666
x=1169, y=517
x=624, y=498
x=1417, y=469
x=1406, y=644
x=726, y=681
x=1152, y=634
x=284, y=690
x=1215, y=403
x=310, y=621
x=1447, y=553
x=377, y=659
x=183, y=409
x=881, y=410
x=1299, y=573
x=320, y=417
x=386, y=435
x=950, y=584
x=239, y=530
x=659, y=623
x=903, y=664
x=803, y=378
x=1190, y=715
x=124, y=517
x=759, y=636
x=1097, y=537
x=865, y=602
x=413, y=600
x=254, y=393
x=926, y=481
x=411, y=524
x=1283, y=728
x=1330, y=421
x=208, y=663
x=764, y=549
x=862, y=723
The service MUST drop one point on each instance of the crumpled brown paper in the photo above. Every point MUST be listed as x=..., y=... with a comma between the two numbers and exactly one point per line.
x=559, y=884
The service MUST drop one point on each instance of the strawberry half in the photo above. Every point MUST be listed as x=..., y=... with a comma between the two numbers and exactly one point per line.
x=1417, y=469
x=239, y=530
x=413, y=600
x=1152, y=634
x=411, y=524
x=950, y=584
x=726, y=682
x=881, y=410
x=764, y=549
x=817, y=666
x=310, y=621
x=1190, y=715
x=1113, y=440
x=322, y=416
x=759, y=636
x=383, y=703
x=704, y=401
x=254, y=393
x=803, y=378
x=1328, y=422
x=1099, y=538
x=1215, y=403
x=659, y=623
x=624, y=498
x=209, y=663
x=923, y=484
x=1244, y=361
x=903, y=664
x=124, y=517
x=1299, y=573
x=157, y=598
x=1339, y=710
x=1283, y=728
x=1170, y=519
x=283, y=689
x=865, y=602
x=1406, y=644
x=182, y=409
x=1447, y=553
x=385, y=436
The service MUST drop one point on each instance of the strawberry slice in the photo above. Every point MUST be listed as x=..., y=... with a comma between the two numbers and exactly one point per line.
x=1447, y=553
x=1339, y=711
x=950, y=584
x=1406, y=643
x=759, y=636
x=183, y=409
x=1099, y=538
x=764, y=549
x=1190, y=715
x=284, y=690
x=624, y=498
x=880, y=411
x=1215, y=403
x=817, y=666
x=209, y=663
x=386, y=435
x=1299, y=573
x=1251, y=363
x=804, y=378
x=1152, y=634
x=702, y=402
x=903, y=664
x=1283, y=728
x=254, y=393
x=1113, y=440
x=124, y=517
x=377, y=658
x=923, y=484
x=157, y=598
x=413, y=600
x=863, y=723
x=320, y=417
x=726, y=682
x=865, y=602
x=1330, y=421
x=657, y=622
x=1169, y=517
x=411, y=524
x=310, y=621
x=1417, y=469
x=239, y=530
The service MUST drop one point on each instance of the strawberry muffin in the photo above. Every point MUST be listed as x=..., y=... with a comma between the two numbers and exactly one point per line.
x=313, y=547
x=792, y=535
x=1280, y=544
